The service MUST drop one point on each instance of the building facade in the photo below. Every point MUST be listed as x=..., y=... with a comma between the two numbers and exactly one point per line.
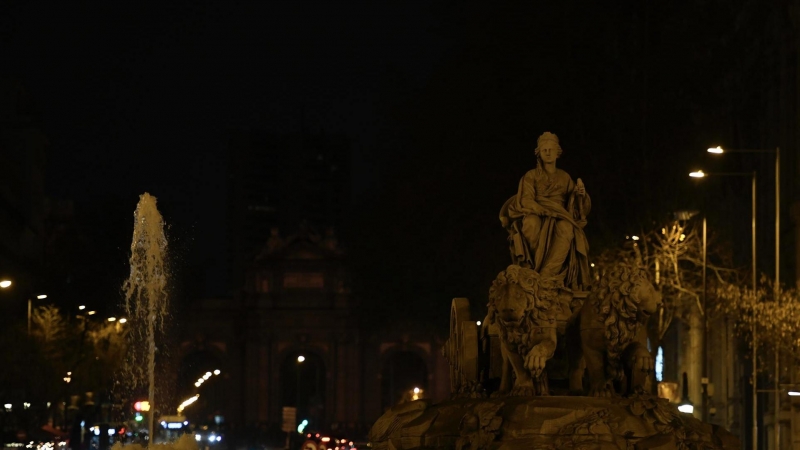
x=294, y=336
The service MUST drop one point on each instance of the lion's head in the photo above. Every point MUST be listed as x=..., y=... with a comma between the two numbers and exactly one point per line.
x=516, y=294
x=624, y=299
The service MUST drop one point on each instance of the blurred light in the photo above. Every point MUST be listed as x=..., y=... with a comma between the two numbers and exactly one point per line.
x=635, y=238
x=217, y=372
x=478, y=323
x=142, y=406
x=91, y=313
x=697, y=174
x=139, y=417
x=207, y=375
x=187, y=402
x=687, y=408
x=112, y=319
x=26, y=405
x=212, y=438
x=82, y=307
x=197, y=384
x=197, y=437
x=325, y=439
x=794, y=393
x=96, y=431
x=174, y=425
x=186, y=422
x=123, y=320
x=8, y=406
x=111, y=431
x=301, y=358
x=5, y=283
x=41, y=296
x=683, y=236
x=592, y=264
x=716, y=149
x=416, y=390
x=219, y=438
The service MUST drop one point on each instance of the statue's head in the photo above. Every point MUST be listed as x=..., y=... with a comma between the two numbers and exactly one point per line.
x=547, y=147
x=512, y=295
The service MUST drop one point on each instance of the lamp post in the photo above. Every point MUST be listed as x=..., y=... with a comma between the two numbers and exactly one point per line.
x=38, y=297
x=702, y=174
x=777, y=152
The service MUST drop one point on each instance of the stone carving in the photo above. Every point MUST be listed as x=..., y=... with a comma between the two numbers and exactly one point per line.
x=545, y=219
x=480, y=428
x=461, y=351
x=609, y=334
x=520, y=304
x=547, y=423
x=540, y=334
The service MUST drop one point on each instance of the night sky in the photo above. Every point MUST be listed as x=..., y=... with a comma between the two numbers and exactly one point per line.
x=443, y=103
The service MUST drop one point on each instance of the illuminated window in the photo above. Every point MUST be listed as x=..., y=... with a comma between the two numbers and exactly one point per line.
x=660, y=364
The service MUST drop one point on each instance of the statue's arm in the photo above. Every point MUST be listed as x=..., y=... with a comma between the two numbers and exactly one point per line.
x=582, y=202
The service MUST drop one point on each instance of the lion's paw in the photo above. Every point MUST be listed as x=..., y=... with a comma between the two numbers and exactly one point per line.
x=522, y=391
x=602, y=391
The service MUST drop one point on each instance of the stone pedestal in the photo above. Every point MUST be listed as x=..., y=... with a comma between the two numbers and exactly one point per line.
x=546, y=423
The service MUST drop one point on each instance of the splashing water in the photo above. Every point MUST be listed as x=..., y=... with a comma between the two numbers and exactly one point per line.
x=146, y=295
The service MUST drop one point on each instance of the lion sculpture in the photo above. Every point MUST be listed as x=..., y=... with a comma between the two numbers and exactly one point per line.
x=520, y=307
x=608, y=335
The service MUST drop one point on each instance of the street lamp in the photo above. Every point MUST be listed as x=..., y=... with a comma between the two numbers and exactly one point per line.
x=685, y=406
x=5, y=283
x=702, y=174
x=39, y=297
x=777, y=151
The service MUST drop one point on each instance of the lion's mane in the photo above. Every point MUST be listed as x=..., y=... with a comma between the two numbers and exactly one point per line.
x=540, y=295
x=618, y=310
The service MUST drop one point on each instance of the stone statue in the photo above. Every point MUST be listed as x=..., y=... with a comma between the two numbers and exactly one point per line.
x=542, y=322
x=609, y=334
x=520, y=305
x=545, y=219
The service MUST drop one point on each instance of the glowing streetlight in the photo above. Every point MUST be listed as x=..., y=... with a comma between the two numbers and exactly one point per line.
x=82, y=307
x=217, y=372
x=123, y=320
x=794, y=394
x=41, y=296
x=777, y=152
x=112, y=319
x=5, y=283
x=716, y=149
x=91, y=313
x=301, y=358
x=697, y=174
x=686, y=406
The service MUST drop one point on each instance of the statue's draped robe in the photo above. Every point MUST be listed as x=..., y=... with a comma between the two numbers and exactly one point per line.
x=546, y=240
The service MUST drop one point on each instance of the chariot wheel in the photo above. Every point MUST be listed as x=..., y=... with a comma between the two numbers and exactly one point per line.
x=462, y=346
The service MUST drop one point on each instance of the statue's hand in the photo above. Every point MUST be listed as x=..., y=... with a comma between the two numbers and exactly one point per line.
x=580, y=190
x=536, y=359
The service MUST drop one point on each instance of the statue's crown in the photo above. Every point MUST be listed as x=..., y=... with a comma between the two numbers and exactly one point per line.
x=547, y=136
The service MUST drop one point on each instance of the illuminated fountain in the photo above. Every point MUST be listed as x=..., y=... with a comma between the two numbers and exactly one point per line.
x=146, y=298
